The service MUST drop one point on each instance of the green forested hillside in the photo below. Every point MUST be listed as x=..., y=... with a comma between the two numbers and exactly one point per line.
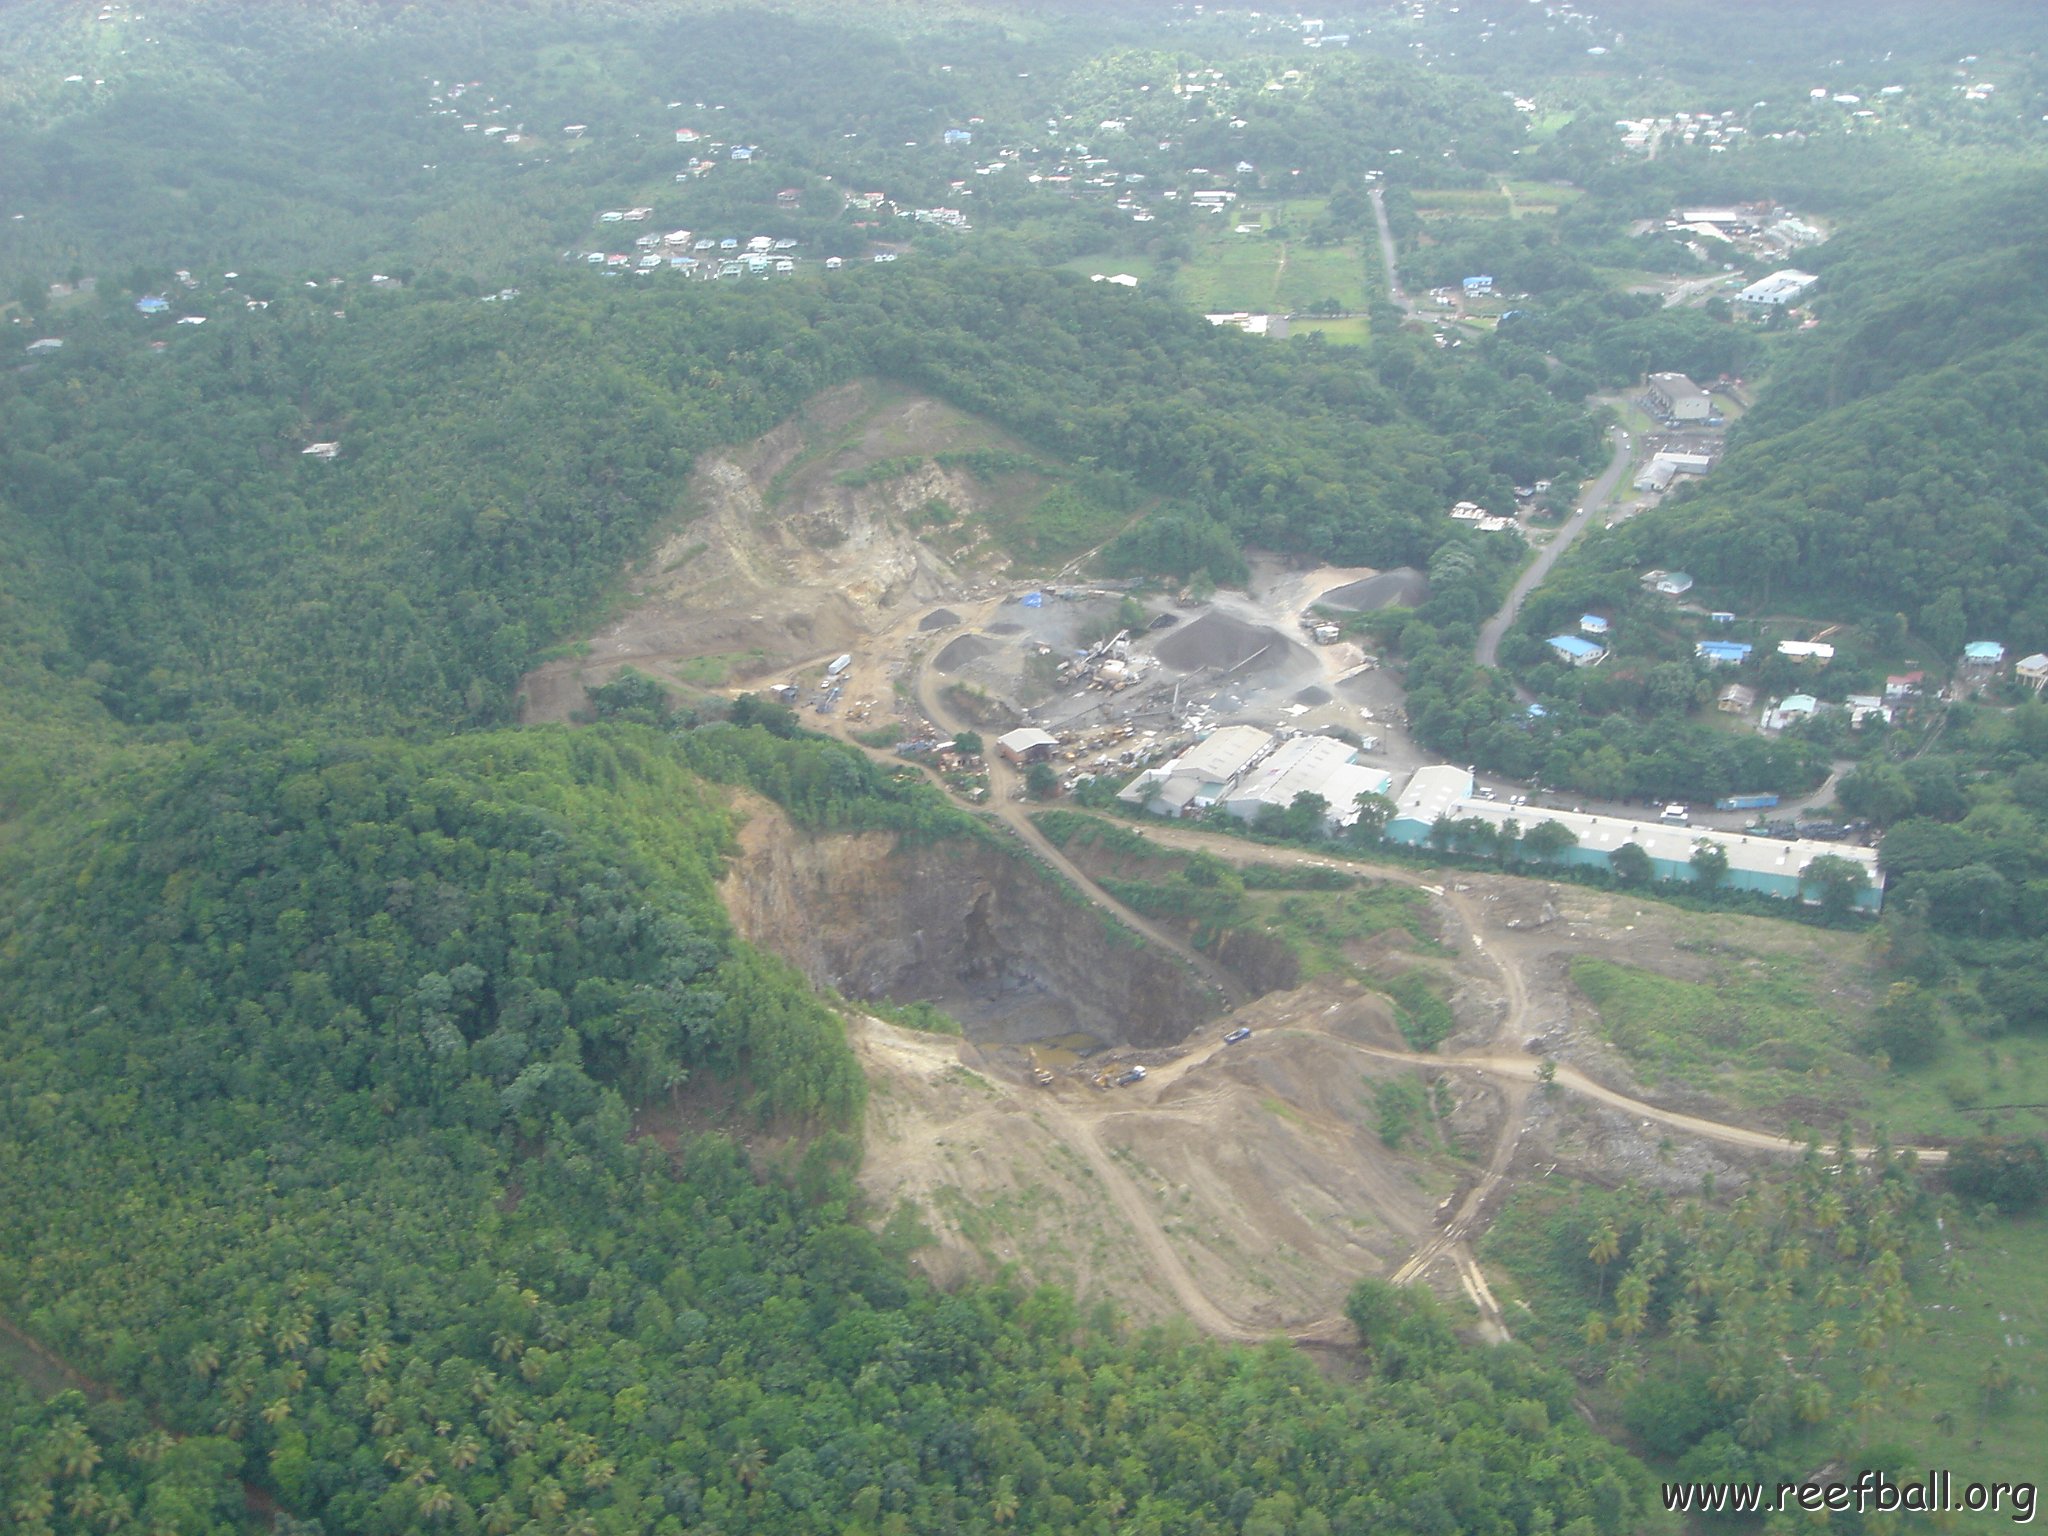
x=1896, y=465
x=317, y=1151
x=394, y=1134
x=200, y=568
x=332, y=1013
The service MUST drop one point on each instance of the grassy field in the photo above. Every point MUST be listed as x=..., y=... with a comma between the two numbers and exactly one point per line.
x=1273, y=276
x=1470, y=203
x=1997, y=1310
x=1276, y=270
x=716, y=671
x=1110, y=264
x=1540, y=196
x=1053, y=527
x=1351, y=331
x=1775, y=1034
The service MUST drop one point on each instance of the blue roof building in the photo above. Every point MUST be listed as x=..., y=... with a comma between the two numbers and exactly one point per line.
x=1983, y=653
x=152, y=304
x=1592, y=624
x=1576, y=652
x=1480, y=284
x=1722, y=653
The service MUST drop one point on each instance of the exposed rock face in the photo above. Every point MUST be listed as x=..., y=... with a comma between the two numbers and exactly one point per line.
x=955, y=922
x=784, y=549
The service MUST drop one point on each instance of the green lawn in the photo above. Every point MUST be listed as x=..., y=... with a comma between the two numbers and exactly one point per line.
x=1352, y=331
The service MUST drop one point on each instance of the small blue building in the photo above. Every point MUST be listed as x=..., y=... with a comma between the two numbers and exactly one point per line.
x=1478, y=287
x=152, y=304
x=1592, y=624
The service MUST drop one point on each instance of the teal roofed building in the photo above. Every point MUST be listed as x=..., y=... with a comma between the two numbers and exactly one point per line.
x=1983, y=653
x=1770, y=866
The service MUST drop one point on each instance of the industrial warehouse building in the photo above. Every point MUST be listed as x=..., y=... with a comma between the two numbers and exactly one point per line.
x=1677, y=399
x=1244, y=770
x=1772, y=866
x=1201, y=776
x=1777, y=290
x=1308, y=765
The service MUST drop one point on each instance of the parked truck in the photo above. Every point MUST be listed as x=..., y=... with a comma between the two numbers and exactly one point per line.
x=1745, y=802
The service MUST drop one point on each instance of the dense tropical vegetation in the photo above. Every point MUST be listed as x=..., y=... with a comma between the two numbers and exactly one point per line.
x=394, y=1135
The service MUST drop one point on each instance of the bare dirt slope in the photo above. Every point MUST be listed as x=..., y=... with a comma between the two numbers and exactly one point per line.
x=786, y=551
x=1242, y=1186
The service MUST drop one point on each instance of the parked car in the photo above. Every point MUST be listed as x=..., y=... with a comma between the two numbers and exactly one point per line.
x=1135, y=1075
x=1240, y=1033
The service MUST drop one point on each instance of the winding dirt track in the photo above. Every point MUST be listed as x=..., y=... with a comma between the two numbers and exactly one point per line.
x=1517, y=1072
x=1080, y=1133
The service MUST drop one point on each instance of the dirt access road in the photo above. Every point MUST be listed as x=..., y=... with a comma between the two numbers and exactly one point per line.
x=1516, y=1073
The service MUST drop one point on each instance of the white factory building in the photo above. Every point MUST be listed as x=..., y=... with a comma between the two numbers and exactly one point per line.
x=1307, y=765
x=1777, y=290
x=1244, y=769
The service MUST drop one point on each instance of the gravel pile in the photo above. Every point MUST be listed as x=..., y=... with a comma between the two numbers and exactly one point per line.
x=964, y=651
x=1402, y=587
x=1220, y=641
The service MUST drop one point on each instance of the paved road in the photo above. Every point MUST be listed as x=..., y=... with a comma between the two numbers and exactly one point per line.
x=1594, y=501
x=1379, y=213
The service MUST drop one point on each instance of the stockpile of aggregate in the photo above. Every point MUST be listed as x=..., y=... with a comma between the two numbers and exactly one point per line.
x=1402, y=587
x=964, y=651
x=1220, y=641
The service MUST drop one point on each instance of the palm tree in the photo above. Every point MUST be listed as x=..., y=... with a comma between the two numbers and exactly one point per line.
x=1812, y=1401
x=435, y=1503
x=749, y=1462
x=72, y=1446
x=1002, y=1504
x=1605, y=1249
